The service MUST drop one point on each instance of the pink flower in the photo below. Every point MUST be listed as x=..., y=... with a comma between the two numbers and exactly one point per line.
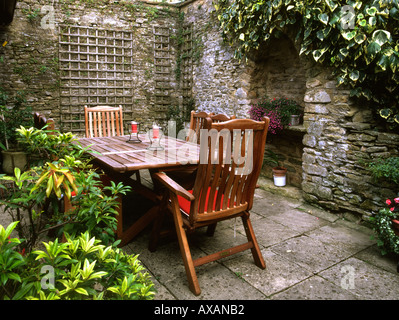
x=388, y=202
x=392, y=209
x=396, y=200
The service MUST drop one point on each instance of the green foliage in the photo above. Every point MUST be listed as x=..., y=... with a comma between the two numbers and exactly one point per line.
x=385, y=168
x=40, y=191
x=356, y=38
x=13, y=114
x=82, y=268
x=387, y=240
x=271, y=158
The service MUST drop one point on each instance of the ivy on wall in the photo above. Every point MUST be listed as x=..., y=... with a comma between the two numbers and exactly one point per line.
x=358, y=39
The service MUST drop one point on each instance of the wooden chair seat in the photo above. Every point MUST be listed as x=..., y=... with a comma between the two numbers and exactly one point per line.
x=224, y=188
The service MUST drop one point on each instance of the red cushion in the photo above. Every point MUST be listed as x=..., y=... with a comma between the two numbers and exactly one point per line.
x=186, y=204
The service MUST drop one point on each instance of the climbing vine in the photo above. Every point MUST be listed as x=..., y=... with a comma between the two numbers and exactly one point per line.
x=358, y=39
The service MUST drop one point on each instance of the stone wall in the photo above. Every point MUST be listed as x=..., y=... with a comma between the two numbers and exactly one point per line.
x=322, y=157
x=340, y=134
x=30, y=61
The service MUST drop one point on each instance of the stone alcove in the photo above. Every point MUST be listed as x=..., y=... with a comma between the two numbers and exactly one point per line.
x=277, y=71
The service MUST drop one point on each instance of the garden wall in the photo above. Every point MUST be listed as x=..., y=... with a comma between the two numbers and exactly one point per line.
x=174, y=55
x=324, y=154
x=62, y=55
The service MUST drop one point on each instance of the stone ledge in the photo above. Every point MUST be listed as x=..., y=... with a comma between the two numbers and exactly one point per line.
x=288, y=191
x=301, y=128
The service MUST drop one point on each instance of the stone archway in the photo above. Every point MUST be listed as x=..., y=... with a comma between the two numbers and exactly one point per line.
x=277, y=71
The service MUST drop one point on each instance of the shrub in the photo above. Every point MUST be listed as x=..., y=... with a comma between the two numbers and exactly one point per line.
x=79, y=269
x=385, y=168
x=387, y=240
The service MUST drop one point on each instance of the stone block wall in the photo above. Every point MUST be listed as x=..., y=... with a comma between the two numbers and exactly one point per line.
x=30, y=52
x=323, y=158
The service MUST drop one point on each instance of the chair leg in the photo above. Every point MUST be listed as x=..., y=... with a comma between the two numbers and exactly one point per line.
x=257, y=255
x=185, y=250
x=211, y=230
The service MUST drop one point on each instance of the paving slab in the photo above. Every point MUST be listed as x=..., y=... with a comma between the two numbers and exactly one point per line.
x=364, y=280
x=315, y=288
x=311, y=253
x=279, y=274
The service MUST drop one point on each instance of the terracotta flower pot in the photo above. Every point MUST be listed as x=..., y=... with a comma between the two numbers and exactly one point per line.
x=279, y=176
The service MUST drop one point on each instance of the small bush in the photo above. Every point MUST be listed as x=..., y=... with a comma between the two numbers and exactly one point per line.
x=82, y=268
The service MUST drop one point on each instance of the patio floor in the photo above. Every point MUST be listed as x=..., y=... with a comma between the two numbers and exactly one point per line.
x=310, y=254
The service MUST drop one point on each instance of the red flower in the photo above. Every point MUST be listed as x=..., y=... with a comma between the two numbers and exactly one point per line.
x=392, y=208
x=388, y=202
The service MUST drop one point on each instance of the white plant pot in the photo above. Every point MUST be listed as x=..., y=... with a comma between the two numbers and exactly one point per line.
x=279, y=181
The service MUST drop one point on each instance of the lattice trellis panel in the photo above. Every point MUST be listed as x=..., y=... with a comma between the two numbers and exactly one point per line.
x=96, y=67
x=187, y=64
x=163, y=66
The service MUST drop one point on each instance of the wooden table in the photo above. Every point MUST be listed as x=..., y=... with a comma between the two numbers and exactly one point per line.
x=120, y=160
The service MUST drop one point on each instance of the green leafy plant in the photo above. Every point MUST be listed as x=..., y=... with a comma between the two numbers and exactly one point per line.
x=39, y=192
x=81, y=268
x=356, y=39
x=387, y=239
x=271, y=158
x=385, y=168
x=13, y=114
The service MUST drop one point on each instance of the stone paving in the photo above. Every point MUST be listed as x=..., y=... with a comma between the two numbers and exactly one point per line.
x=310, y=254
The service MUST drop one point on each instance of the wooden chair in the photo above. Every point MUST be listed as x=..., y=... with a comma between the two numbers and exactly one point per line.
x=224, y=189
x=103, y=121
x=40, y=121
x=186, y=176
x=221, y=117
x=197, y=121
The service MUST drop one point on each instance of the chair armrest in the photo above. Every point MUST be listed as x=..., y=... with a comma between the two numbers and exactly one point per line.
x=173, y=186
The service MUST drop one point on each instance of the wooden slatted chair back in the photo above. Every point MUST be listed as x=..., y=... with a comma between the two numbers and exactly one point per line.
x=103, y=121
x=221, y=117
x=231, y=158
x=197, y=122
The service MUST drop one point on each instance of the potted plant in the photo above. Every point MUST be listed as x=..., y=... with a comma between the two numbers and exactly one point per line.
x=279, y=171
x=13, y=115
x=279, y=111
x=386, y=226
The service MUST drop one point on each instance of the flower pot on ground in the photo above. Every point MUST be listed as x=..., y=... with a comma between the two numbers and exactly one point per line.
x=279, y=171
x=279, y=176
x=13, y=159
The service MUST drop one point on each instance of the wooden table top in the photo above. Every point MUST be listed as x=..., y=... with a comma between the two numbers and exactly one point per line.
x=121, y=156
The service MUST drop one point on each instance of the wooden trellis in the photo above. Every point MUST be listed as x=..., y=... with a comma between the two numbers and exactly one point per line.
x=163, y=68
x=187, y=64
x=96, y=68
